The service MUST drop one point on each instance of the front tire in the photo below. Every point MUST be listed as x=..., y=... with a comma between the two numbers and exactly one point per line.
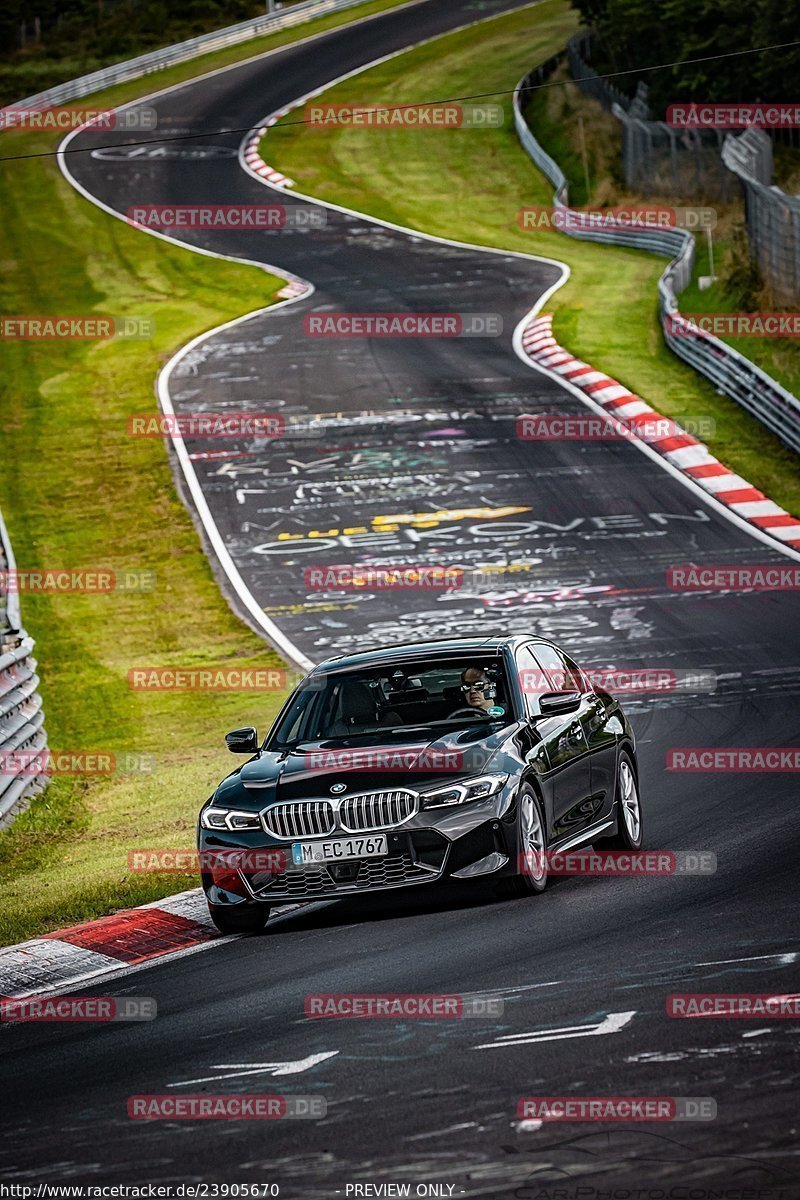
x=628, y=809
x=244, y=918
x=531, y=877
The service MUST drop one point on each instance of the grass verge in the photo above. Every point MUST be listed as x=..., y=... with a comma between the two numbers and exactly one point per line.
x=554, y=114
x=607, y=311
x=77, y=492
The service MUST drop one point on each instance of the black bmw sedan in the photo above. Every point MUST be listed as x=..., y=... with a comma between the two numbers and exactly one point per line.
x=463, y=759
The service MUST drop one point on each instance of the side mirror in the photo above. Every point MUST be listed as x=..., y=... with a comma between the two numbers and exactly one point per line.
x=552, y=704
x=242, y=741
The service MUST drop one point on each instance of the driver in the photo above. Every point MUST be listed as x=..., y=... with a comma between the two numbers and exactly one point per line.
x=478, y=689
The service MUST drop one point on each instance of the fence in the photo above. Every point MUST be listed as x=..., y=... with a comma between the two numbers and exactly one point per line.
x=21, y=716
x=772, y=217
x=657, y=160
x=729, y=371
x=169, y=56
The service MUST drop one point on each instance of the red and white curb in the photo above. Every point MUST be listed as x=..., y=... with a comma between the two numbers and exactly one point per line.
x=294, y=289
x=252, y=154
x=82, y=955
x=679, y=448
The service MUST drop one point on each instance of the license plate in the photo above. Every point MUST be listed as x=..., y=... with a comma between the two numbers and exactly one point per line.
x=342, y=850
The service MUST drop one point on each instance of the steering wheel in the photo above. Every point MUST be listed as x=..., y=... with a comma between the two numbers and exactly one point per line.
x=467, y=710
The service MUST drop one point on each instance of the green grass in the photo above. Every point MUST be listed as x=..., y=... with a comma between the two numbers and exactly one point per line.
x=555, y=112
x=76, y=491
x=607, y=311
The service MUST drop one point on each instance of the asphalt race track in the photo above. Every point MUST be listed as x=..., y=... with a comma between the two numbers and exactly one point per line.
x=428, y=427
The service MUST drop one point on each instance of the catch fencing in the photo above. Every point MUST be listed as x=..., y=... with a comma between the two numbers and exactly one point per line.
x=657, y=160
x=772, y=217
x=660, y=160
x=170, y=56
x=21, y=715
x=730, y=372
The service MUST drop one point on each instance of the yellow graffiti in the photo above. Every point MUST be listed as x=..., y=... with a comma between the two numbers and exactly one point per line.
x=391, y=523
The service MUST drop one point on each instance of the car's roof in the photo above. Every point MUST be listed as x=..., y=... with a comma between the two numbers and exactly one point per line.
x=431, y=648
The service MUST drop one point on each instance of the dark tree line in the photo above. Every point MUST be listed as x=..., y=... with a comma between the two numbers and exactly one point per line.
x=643, y=33
x=109, y=29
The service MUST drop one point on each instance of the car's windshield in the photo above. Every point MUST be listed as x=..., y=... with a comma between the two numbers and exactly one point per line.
x=395, y=697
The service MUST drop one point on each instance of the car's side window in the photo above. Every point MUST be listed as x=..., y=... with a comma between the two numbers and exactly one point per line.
x=531, y=680
x=579, y=681
x=554, y=669
x=559, y=672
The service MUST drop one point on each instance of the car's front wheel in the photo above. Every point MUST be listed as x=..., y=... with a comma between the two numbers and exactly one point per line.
x=531, y=876
x=628, y=809
x=239, y=918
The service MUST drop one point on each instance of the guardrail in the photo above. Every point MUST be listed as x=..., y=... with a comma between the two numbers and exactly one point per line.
x=730, y=372
x=168, y=56
x=21, y=716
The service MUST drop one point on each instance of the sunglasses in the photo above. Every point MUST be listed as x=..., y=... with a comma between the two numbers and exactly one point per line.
x=478, y=686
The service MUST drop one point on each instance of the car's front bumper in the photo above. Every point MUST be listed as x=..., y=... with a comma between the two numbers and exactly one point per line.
x=437, y=844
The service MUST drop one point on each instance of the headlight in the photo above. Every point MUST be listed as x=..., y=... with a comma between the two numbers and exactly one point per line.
x=479, y=788
x=229, y=818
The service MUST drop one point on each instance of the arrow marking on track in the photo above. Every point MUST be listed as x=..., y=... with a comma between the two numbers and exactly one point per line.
x=234, y=1070
x=612, y=1023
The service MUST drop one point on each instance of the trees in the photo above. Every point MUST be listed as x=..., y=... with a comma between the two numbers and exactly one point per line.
x=631, y=35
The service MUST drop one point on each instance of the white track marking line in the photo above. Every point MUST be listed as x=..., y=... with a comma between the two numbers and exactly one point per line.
x=784, y=957
x=610, y=1024
x=238, y=1070
x=274, y=634
x=517, y=339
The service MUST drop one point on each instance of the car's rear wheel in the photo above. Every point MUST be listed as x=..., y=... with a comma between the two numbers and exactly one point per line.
x=239, y=918
x=628, y=809
x=531, y=876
